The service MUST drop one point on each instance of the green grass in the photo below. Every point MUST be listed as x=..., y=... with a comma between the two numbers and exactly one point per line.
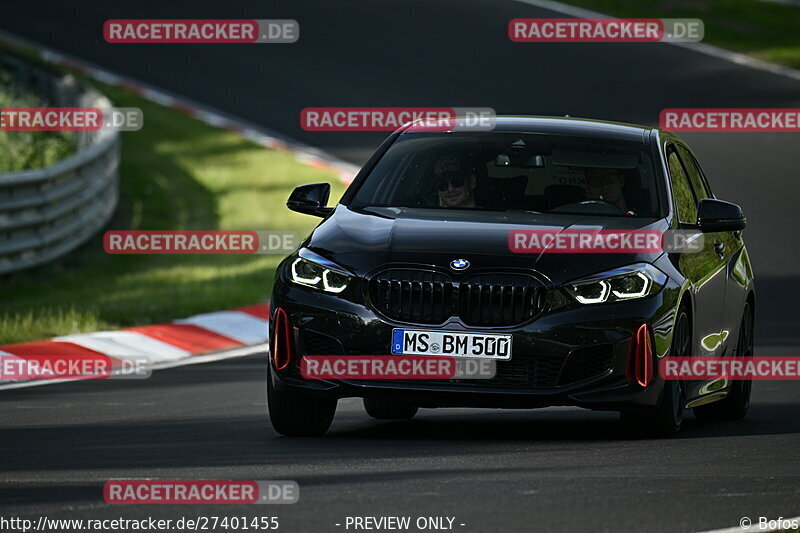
x=23, y=150
x=764, y=30
x=176, y=174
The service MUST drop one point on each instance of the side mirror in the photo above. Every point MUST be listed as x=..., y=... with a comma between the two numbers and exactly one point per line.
x=717, y=215
x=311, y=199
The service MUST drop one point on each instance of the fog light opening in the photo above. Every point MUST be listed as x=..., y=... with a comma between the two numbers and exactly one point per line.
x=640, y=359
x=282, y=342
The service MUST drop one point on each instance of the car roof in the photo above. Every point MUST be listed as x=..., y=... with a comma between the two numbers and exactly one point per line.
x=568, y=126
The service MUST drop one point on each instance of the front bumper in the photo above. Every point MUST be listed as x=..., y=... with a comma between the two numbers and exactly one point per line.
x=573, y=355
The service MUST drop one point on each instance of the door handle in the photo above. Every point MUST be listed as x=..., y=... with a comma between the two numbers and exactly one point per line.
x=719, y=247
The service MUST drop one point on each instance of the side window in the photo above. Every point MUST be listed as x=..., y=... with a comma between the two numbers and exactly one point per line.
x=695, y=175
x=684, y=197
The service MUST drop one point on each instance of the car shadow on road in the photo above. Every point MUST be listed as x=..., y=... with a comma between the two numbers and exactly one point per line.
x=562, y=425
x=245, y=447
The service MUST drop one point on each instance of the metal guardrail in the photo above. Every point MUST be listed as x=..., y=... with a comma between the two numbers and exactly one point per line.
x=47, y=212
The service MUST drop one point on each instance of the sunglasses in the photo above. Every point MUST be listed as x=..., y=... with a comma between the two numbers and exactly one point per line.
x=457, y=181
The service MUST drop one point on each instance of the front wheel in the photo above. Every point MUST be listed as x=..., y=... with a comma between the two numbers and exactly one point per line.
x=664, y=421
x=667, y=418
x=295, y=415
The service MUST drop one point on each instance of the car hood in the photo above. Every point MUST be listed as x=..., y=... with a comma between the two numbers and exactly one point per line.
x=362, y=241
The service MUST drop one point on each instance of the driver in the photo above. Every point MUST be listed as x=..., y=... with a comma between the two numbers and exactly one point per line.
x=607, y=184
x=455, y=182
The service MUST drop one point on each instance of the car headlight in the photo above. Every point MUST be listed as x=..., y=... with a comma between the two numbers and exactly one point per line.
x=626, y=283
x=312, y=270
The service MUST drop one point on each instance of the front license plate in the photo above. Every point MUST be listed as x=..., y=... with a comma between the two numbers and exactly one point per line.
x=451, y=343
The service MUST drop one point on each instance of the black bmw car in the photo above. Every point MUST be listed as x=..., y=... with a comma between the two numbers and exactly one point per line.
x=419, y=245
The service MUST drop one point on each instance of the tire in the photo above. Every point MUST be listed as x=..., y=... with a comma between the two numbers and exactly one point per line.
x=296, y=415
x=664, y=421
x=667, y=417
x=389, y=410
x=735, y=405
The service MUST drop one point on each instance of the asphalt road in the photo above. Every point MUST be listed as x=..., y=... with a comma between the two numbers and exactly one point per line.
x=551, y=470
x=544, y=470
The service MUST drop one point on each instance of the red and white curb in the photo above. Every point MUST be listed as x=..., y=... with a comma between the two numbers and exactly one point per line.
x=200, y=338
x=261, y=136
x=197, y=339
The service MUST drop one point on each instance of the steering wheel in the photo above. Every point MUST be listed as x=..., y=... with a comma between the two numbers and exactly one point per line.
x=602, y=202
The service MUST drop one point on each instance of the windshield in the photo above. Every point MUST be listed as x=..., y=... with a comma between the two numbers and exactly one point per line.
x=513, y=171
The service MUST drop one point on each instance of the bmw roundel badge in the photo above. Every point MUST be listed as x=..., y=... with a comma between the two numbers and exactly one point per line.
x=459, y=264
